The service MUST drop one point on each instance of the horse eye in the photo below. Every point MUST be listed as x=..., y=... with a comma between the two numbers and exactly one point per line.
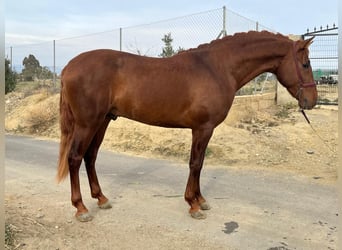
x=306, y=65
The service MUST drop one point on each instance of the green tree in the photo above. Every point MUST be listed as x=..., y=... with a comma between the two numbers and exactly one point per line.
x=168, y=50
x=10, y=77
x=31, y=68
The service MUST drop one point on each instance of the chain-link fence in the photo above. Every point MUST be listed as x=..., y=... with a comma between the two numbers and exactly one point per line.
x=324, y=61
x=187, y=32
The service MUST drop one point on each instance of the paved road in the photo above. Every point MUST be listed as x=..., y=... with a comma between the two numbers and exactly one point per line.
x=250, y=209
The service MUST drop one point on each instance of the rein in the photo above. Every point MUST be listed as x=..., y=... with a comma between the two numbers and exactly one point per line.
x=317, y=134
x=303, y=85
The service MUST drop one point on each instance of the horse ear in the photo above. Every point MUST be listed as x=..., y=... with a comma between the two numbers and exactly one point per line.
x=304, y=44
x=308, y=42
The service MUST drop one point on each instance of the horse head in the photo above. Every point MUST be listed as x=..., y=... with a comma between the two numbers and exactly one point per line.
x=295, y=73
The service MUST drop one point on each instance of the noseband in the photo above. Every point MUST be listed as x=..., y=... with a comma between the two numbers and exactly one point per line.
x=302, y=84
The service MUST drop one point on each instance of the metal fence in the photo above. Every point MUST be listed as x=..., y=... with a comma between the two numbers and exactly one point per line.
x=324, y=61
x=187, y=32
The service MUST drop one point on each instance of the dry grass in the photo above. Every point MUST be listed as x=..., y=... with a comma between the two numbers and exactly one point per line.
x=43, y=115
x=9, y=236
x=35, y=114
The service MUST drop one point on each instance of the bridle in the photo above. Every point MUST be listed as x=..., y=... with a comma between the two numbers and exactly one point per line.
x=302, y=84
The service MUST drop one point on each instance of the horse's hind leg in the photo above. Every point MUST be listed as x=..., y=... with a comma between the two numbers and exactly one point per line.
x=89, y=159
x=80, y=141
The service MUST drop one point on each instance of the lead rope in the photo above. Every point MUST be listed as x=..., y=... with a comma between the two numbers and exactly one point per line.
x=317, y=134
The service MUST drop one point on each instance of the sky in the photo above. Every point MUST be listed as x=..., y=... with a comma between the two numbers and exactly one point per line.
x=39, y=21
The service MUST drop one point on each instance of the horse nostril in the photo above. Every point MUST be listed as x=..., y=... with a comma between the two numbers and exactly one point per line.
x=306, y=104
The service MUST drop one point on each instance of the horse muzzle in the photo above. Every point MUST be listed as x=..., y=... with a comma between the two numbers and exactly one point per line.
x=307, y=104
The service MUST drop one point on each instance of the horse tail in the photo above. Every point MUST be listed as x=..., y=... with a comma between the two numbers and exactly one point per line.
x=67, y=124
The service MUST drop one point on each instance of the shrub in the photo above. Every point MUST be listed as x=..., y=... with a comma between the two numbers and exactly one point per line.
x=10, y=78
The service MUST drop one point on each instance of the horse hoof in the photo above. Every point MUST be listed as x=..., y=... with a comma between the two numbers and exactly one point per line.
x=205, y=206
x=105, y=205
x=198, y=215
x=84, y=217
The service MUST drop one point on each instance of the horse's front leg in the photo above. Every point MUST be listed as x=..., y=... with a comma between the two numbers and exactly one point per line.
x=193, y=196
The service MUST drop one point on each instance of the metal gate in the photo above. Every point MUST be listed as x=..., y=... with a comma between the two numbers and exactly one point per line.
x=324, y=62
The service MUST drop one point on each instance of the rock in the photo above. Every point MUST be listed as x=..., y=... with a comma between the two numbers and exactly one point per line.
x=39, y=216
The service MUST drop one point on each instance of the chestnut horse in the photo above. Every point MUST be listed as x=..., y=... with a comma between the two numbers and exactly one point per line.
x=193, y=89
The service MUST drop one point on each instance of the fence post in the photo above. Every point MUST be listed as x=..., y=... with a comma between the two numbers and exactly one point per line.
x=257, y=26
x=11, y=58
x=223, y=32
x=224, y=21
x=54, y=63
x=120, y=39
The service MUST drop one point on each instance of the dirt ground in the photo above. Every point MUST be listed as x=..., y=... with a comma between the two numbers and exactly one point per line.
x=273, y=139
x=33, y=226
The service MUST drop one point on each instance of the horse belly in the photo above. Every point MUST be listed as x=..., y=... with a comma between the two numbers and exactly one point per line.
x=173, y=110
x=157, y=110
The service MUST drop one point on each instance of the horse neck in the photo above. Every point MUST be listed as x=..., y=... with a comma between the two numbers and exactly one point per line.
x=244, y=60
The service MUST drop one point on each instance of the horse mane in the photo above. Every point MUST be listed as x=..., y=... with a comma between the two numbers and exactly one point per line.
x=241, y=37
